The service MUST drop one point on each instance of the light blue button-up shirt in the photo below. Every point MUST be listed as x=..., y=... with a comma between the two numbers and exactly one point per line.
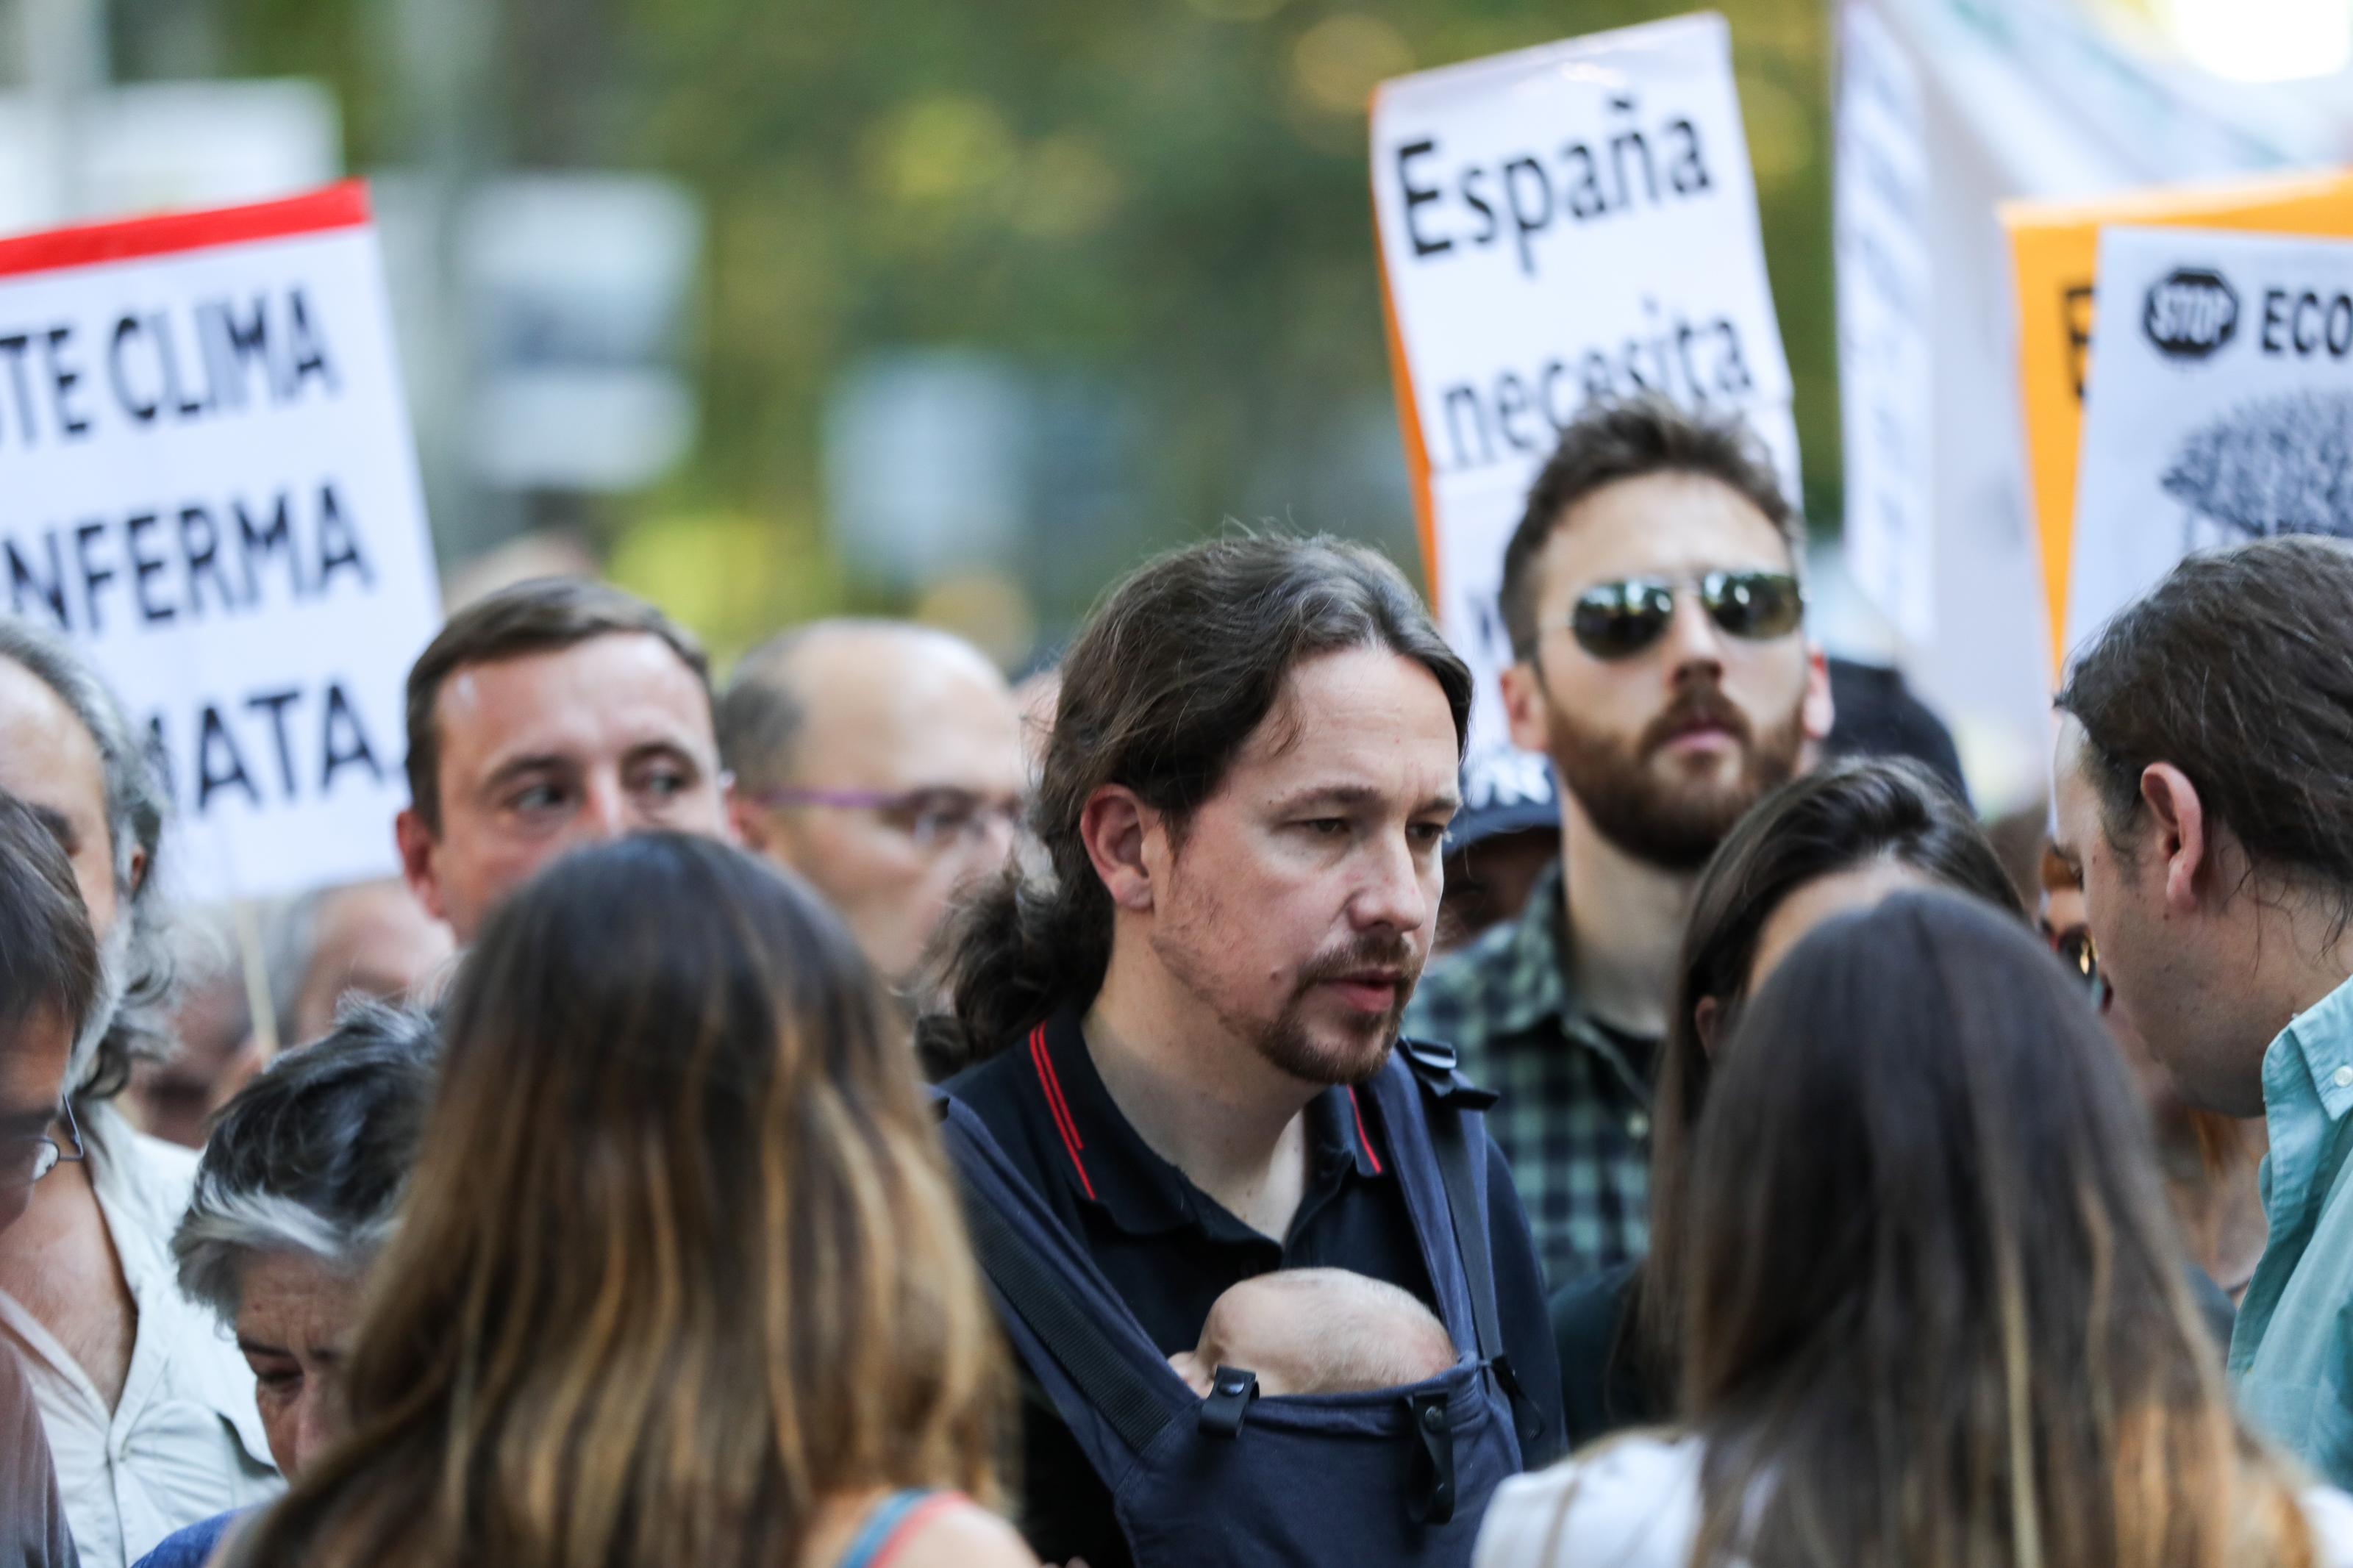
x=2292, y=1352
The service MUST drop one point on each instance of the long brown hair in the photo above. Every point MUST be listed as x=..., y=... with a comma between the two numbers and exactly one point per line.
x=1842, y=815
x=1182, y=662
x=1938, y=1314
x=680, y=1260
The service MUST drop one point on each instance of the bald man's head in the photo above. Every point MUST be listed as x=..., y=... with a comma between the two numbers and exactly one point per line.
x=882, y=762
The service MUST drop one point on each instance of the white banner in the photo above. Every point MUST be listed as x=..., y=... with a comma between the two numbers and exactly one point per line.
x=1886, y=291
x=1556, y=225
x=206, y=480
x=2219, y=406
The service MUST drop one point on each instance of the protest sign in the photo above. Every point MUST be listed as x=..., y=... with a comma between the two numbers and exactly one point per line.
x=1885, y=283
x=206, y=481
x=2054, y=245
x=1561, y=224
x=2219, y=406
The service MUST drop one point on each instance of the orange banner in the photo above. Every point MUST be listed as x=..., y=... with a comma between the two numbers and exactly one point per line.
x=2055, y=246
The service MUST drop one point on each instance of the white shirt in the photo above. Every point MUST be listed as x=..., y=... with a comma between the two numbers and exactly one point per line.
x=1633, y=1502
x=184, y=1442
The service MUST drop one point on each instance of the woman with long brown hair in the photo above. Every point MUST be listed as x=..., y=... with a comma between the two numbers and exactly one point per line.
x=681, y=1277
x=1841, y=839
x=1936, y=1310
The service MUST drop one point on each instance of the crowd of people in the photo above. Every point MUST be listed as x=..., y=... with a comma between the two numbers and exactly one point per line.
x=1182, y=1112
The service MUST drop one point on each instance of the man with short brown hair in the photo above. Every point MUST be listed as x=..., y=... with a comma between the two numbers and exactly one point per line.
x=1651, y=597
x=554, y=713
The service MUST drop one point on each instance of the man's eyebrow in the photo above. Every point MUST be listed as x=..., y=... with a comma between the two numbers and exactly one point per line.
x=663, y=748
x=59, y=824
x=1360, y=795
x=1329, y=794
x=255, y=1347
x=515, y=767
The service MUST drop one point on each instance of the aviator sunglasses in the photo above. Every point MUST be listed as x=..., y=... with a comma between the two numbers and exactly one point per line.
x=1618, y=620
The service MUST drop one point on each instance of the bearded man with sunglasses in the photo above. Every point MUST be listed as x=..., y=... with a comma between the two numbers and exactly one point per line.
x=1651, y=598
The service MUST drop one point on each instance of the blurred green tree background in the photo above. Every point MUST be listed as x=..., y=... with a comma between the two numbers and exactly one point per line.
x=1165, y=198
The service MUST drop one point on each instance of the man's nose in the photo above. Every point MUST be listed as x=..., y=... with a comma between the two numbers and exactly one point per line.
x=1393, y=894
x=316, y=1422
x=605, y=812
x=1694, y=642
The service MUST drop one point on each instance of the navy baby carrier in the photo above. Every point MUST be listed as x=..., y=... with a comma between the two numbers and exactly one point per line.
x=1396, y=1476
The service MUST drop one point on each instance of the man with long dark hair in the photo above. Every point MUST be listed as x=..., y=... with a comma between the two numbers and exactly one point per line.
x=2205, y=797
x=1651, y=598
x=1189, y=1080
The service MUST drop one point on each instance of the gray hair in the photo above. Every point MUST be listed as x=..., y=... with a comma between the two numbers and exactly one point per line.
x=132, y=1019
x=312, y=1155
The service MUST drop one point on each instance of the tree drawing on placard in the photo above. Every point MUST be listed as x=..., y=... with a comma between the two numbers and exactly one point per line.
x=2270, y=465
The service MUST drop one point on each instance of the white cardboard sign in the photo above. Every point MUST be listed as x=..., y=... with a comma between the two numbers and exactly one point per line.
x=2219, y=406
x=1557, y=225
x=206, y=480
x=1882, y=198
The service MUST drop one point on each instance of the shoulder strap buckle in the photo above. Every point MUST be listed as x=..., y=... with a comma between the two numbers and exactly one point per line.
x=1435, y=1068
x=1232, y=1389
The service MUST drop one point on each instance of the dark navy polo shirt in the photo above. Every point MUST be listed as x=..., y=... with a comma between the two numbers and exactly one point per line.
x=1171, y=1250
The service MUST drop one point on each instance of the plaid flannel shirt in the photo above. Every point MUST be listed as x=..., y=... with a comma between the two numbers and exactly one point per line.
x=1574, y=1121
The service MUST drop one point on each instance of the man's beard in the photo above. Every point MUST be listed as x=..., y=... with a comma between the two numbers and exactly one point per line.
x=1287, y=1042
x=1670, y=823
x=113, y=979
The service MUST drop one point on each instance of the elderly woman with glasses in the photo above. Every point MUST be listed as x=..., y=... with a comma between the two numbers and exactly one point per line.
x=296, y=1195
x=48, y=984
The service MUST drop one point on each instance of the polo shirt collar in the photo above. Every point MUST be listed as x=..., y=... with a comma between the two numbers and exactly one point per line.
x=1109, y=1166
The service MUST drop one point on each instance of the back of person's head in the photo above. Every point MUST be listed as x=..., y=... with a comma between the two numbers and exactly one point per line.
x=1938, y=1311
x=680, y=1260
x=1173, y=673
x=543, y=615
x=311, y=1156
x=1844, y=817
x=2237, y=669
x=48, y=959
x=131, y=1020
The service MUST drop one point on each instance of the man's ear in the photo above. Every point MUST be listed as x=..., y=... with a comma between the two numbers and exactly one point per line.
x=417, y=848
x=1707, y=1021
x=1821, y=712
x=138, y=868
x=733, y=824
x=749, y=823
x=1115, y=827
x=1525, y=705
x=2179, y=832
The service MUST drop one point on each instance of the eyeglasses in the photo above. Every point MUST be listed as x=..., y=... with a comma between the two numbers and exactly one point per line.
x=1618, y=620
x=933, y=817
x=25, y=1161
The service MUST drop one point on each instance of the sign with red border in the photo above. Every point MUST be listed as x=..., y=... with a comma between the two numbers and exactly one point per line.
x=207, y=482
